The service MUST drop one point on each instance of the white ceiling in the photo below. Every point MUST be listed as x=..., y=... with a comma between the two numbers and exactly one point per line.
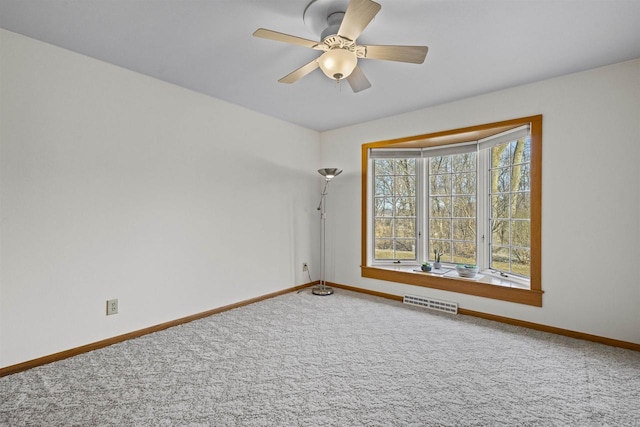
x=207, y=46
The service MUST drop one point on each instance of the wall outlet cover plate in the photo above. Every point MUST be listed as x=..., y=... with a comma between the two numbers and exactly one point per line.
x=112, y=306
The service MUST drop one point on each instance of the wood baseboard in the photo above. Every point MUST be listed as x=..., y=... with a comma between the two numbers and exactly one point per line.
x=531, y=325
x=13, y=369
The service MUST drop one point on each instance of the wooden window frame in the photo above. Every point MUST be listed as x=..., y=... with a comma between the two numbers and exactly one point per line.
x=532, y=296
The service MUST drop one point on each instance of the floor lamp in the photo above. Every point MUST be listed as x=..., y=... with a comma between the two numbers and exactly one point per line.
x=329, y=174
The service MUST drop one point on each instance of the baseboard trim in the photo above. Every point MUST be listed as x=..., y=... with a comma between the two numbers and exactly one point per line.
x=19, y=367
x=530, y=325
x=366, y=291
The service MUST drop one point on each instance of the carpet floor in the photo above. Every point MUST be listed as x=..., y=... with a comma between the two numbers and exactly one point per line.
x=344, y=360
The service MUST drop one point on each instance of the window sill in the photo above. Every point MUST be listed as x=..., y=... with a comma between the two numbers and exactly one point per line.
x=484, y=285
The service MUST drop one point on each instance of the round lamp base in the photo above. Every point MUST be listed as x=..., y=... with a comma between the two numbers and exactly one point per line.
x=321, y=290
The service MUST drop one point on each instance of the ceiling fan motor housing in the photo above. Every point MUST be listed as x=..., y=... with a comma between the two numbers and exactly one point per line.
x=321, y=14
x=333, y=25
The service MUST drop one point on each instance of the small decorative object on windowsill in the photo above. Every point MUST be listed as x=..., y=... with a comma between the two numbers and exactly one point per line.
x=467, y=270
x=426, y=266
x=436, y=255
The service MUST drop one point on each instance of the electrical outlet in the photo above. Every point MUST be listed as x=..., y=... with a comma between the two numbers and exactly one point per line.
x=112, y=306
x=305, y=267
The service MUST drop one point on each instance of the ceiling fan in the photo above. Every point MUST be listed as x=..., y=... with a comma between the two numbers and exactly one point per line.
x=338, y=42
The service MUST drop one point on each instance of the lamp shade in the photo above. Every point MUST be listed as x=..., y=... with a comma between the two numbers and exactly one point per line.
x=337, y=64
x=329, y=172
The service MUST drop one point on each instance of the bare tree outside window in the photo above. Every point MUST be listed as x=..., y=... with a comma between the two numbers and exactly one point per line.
x=395, y=235
x=452, y=208
x=511, y=207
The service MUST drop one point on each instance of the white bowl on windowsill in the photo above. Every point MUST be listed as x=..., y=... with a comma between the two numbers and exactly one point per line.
x=467, y=271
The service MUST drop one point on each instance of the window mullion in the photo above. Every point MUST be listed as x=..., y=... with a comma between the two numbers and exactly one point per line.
x=422, y=205
x=370, y=194
x=454, y=218
x=483, y=200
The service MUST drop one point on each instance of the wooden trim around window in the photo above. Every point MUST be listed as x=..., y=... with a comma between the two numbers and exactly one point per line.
x=532, y=296
x=520, y=296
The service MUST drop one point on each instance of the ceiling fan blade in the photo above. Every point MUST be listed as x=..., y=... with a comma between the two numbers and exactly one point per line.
x=358, y=15
x=413, y=54
x=285, y=38
x=358, y=81
x=300, y=72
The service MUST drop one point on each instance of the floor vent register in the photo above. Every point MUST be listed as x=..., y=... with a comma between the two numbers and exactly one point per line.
x=431, y=303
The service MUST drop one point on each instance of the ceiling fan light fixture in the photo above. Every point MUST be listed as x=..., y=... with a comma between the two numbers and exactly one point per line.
x=338, y=63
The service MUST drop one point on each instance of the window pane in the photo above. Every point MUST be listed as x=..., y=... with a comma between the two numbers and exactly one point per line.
x=395, y=209
x=524, y=180
x=384, y=249
x=521, y=205
x=384, y=185
x=521, y=262
x=440, y=228
x=405, y=185
x=383, y=167
x=526, y=158
x=405, y=206
x=500, y=233
x=521, y=233
x=440, y=184
x=464, y=253
x=500, y=180
x=500, y=156
x=404, y=166
x=383, y=227
x=405, y=249
x=517, y=151
x=443, y=246
x=405, y=228
x=500, y=258
x=520, y=180
x=511, y=206
x=440, y=164
x=500, y=206
x=463, y=162
x=464, y=206
x=464, y=183
x=464, y=229
x=384, y=206
x=453, y=207
x=440, y=207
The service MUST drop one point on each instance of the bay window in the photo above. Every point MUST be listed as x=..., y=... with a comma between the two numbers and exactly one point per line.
x=467, y=196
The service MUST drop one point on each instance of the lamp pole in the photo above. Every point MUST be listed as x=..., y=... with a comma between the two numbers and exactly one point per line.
x=322, y=289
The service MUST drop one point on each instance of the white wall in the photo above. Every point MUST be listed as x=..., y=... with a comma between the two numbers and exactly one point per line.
x=590, y=201
x=116, y=185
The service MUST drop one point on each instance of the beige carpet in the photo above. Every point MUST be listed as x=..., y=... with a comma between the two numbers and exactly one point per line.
x=342, y=360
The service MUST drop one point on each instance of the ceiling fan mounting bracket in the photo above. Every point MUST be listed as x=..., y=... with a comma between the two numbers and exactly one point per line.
x=319, y=15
